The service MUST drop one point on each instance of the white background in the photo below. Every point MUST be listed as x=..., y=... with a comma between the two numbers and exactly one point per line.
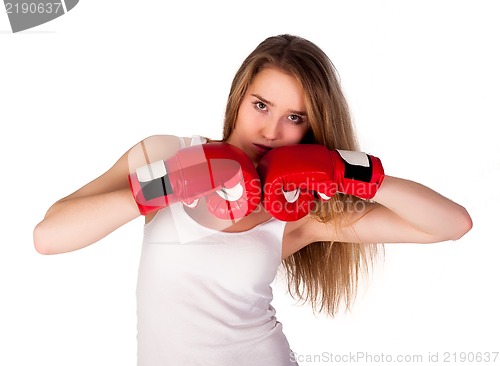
x=422, y=80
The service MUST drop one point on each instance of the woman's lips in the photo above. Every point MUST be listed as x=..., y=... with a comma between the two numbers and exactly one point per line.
x=262, y=149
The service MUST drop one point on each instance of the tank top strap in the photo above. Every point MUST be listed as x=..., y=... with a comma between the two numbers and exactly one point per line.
x=195, y=140
x=198, y=140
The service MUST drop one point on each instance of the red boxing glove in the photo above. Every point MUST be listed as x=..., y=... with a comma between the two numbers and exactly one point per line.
x=291, y=174
x=221, y=172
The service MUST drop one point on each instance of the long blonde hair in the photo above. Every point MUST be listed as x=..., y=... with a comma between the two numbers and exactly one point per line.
x=326, y=274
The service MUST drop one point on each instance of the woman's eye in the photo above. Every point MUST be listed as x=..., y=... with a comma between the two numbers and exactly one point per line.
x=295, y=118
x=260, y=106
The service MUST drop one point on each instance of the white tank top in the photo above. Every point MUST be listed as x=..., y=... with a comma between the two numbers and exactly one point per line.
x=204, y=296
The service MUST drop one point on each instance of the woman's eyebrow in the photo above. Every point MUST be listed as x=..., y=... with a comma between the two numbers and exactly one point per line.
x=263, y=99
x=299, y=113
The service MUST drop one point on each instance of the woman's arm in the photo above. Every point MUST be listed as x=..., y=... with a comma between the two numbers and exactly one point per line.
x=404, y=212
x=428, y=212
x=101, y=206
x=75, y=222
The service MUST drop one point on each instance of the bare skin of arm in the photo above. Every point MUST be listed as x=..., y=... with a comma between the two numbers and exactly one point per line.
x=403, y=212
x=101, y=206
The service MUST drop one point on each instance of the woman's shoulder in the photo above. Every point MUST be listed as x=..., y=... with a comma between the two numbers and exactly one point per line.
x=162, y=145
x=173, y=141
x=162, y=140
x=297, y=235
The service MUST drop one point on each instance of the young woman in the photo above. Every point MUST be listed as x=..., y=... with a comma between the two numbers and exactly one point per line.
x=203, y=289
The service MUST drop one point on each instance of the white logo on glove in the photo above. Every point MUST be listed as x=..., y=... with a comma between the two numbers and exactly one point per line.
x=355, y=157
x=231, y=194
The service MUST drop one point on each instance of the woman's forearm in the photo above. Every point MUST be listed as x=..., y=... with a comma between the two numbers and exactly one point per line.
x=424, y=209
x=75, y=223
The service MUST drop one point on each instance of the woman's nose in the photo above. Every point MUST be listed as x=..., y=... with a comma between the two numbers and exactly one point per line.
x=271, y=129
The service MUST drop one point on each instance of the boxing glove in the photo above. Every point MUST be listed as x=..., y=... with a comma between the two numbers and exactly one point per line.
x=220, y=172
x=294, y=176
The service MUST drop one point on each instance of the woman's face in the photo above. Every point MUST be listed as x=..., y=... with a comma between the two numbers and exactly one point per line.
x=271, y=114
